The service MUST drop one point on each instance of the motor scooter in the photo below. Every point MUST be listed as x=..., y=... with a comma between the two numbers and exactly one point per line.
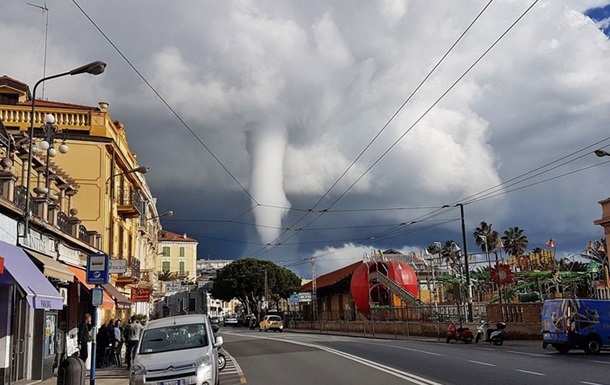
x=459, y=333
x=493, y=336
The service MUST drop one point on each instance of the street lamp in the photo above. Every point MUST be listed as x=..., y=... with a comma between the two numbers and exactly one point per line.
x=140, y=169
x=93, y=68
x=165, y=214
x=601, y=153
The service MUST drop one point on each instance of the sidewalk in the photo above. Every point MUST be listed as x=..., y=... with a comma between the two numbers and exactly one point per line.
x=104, y=376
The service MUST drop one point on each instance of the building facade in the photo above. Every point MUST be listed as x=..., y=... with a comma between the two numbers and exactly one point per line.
x=178, y=255
x=69, y=188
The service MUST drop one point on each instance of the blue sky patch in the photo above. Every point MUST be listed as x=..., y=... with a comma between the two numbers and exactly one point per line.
x=601, y=16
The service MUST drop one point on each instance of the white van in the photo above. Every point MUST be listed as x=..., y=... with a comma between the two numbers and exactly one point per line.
x=181, y=350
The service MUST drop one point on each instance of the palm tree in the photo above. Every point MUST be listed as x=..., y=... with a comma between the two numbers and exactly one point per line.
x=487, y=239
x=450, y=252
x=166, y=275
x=514, y=241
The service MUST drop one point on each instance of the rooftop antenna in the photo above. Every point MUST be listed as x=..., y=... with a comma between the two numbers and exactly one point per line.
x=46, y=33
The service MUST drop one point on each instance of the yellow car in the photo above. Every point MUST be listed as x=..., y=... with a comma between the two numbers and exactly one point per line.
x=271, y=322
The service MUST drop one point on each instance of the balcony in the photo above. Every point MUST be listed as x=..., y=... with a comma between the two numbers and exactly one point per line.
x=132, y=275
x=130, y=203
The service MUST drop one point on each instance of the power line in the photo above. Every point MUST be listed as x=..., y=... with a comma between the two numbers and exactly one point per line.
x=153, y=89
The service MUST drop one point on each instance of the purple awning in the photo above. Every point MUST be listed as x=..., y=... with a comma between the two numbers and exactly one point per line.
x=39, y=291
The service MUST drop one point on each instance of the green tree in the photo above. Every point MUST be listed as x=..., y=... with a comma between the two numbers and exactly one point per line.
x=515, y=242
x=244, y=280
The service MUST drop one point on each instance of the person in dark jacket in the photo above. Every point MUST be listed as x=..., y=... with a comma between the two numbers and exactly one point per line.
x=83, y=336
x=102, y=341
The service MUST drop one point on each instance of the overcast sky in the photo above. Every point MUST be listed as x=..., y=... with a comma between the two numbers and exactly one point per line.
x=328, y=129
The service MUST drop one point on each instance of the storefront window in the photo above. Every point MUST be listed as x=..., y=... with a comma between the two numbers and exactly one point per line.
x=49, y=334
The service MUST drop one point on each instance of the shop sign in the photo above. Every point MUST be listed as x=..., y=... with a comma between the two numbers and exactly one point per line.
x=141, y=294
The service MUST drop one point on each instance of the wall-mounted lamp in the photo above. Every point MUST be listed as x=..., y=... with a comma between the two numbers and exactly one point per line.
x=165, y=214
x=140, y=169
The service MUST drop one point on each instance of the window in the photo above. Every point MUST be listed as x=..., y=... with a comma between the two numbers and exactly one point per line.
x=182, y=251
x=165, y=266
x=181, y=268
x=166, y=251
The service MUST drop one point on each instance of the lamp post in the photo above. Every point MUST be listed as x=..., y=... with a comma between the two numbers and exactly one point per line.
x=93, y=68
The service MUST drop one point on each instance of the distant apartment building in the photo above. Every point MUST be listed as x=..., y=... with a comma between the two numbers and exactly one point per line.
x=178, y=255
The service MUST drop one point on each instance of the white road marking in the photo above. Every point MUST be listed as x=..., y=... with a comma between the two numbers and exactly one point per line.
x=402, y=348
x=589, y=383
x=530, y=372
x=601, y=362
x=481, y=363
x=529, y=354
x=413, y=378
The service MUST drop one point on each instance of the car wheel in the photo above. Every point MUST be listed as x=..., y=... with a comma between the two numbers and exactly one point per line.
x=593, y=345
x=222, y=361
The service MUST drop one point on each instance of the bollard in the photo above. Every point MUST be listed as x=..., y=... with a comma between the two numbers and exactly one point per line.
x=71, y=371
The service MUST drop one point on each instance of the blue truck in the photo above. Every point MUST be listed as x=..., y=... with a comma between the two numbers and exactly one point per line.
x=576, y=324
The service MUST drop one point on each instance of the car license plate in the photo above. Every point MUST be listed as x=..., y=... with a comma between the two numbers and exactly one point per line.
x=175, y=382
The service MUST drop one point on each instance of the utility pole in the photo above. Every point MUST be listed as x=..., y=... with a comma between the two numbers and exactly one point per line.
x=469, y=291
x=314, y=295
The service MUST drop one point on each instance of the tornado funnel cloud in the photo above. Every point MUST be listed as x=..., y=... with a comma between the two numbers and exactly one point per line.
x=267, y=149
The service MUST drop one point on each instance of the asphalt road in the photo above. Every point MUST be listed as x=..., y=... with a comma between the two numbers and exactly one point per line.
x=301, y=358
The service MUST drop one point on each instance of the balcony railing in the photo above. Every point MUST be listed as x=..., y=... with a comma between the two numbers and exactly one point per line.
x=130, y=203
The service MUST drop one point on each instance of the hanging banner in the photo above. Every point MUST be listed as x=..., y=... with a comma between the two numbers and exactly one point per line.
x=141, y=294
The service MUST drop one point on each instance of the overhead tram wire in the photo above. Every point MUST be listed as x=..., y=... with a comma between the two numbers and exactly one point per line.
x=425, y=113
x=176, y=115
x=383, y=128
x=521, y=178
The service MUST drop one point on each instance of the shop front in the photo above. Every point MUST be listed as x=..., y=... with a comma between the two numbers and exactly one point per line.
x=30, y=324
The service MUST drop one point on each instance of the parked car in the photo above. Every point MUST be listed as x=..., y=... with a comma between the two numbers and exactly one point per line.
x=230, y=319
x=215, y=324
x=177, y=350
x=271, y=322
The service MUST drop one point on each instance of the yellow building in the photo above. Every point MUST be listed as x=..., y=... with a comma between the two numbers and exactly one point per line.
x=92, y=186
x=178, y=255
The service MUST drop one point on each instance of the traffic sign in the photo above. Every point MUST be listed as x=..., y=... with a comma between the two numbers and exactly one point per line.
x=97, y=268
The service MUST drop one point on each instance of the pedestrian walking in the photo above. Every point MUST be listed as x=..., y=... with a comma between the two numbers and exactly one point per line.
x=84, y=337
x=118, y=341
x=133, y=330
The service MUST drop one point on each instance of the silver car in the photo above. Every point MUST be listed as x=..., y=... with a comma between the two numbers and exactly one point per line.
x=181, y=350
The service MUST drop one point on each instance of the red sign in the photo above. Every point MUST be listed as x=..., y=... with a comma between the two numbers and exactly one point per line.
x=141, y=294
x=1, y=265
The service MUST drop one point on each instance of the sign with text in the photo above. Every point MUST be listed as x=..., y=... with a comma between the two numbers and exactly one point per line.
x=97, y=269
x=117, y=266
x=141, y=294
x=305, y=297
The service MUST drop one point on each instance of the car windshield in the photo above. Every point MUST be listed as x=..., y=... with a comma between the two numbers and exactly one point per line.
x=172, y=338
x=274, y=318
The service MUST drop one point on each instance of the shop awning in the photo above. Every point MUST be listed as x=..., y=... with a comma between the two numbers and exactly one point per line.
x=121, y=301
x=52, y=268
x=81, y=276
x=39, y=291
